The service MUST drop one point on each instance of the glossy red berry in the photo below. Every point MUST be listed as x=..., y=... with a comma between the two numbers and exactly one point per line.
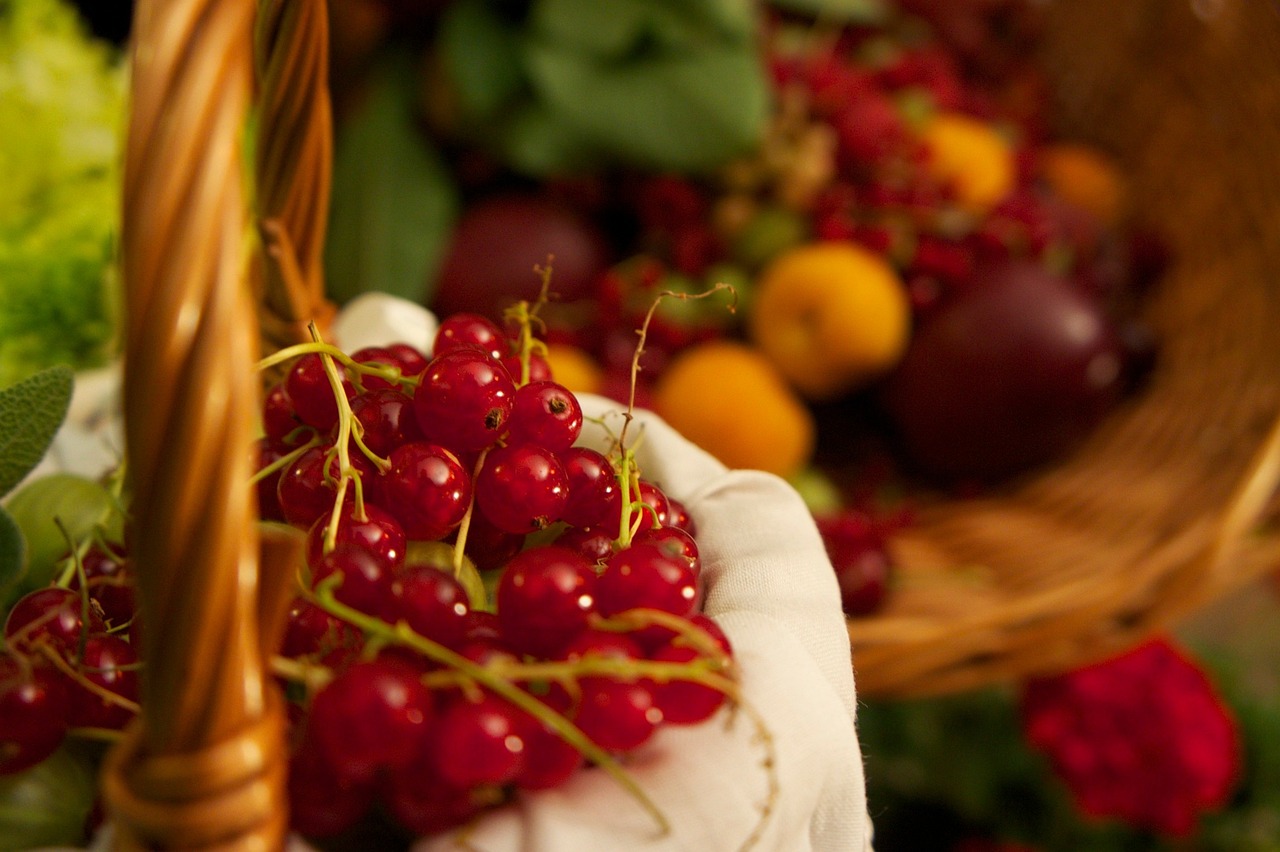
x=644, y=576
x=595, y=543
x=463, y=400
x=312, y=632
x=426, y=489
x=522, y=488
x=478, y=742
x=593, y=486
x=375, y=356
x=365, y=584
x=110, y=663
x=305, y=493
x=33, y=713
x=470, y=331
x=51, y=614
x=674, y=542
x=110, y=584
x=618, y=715
x=322, y=803
x=378, y=534
x=544, y=599
x=373, y=716
x=387, y=418
x=433, y=604
x=307, y=385
x=683, y=702
x=279, y=420
x=547, y=414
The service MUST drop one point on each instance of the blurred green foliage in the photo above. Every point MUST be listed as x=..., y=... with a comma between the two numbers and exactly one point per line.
x=62, y=110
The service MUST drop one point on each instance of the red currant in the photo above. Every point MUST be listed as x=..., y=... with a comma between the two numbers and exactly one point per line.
x=426, y=489
x=33, y=713
x=307, y=386
x=375, y=715
x=379, y=535
x=366, y=583
x=522, y=488
x=593, y=486
x=433, y=604
x=544, y=599
x=387, y=418
x=463, y=400
x=51, y=613
x=470, y=331
x=110, y=663
x=478, y=742
x=546, y=414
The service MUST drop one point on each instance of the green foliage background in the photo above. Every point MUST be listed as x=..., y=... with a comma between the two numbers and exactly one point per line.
x=62, y=112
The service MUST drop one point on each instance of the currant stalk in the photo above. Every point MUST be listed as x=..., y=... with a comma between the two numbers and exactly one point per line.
x=402, y=634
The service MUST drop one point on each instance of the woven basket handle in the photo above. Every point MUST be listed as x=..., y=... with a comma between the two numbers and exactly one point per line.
x=204, y=765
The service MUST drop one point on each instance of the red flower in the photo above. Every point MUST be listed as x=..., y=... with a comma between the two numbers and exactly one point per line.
x=1143, y=737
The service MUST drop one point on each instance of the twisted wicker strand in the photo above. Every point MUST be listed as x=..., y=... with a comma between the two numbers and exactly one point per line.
x=293, y=161
x=208, y=741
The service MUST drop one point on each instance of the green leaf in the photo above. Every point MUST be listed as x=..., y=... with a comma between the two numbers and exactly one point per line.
x=849, y=11
x=393, y=202
x=626, y=28
x=30, y=414
x=535, y=141
x=80, y=504
x=481, y=57
x=12, y=552
x=687, y=111
x=46, y=805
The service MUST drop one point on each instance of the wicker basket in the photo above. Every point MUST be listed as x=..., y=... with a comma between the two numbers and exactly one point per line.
x=1155, y=516
x=1160, y=512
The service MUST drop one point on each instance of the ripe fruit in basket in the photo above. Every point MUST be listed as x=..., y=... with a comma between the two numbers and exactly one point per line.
x=968, y=154
x=830, y=316
x=1084, y=176
x=495, y=246
x=729, y=399
x=1007, y=375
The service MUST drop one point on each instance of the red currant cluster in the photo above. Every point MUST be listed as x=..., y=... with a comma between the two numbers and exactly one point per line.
x=69, y=659
x=487, y=607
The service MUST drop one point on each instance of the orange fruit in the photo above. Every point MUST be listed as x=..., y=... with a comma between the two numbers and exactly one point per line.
x=1086, y=178
x=970, y=156
x=831, y=316
x=574, y=368
x=728, y=398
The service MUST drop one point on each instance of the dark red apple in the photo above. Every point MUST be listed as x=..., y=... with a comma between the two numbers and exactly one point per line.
x=497, y=243
x=1006, y=376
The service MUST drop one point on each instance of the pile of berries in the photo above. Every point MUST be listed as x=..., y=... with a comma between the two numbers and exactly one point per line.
x=69, y=659
x=486, y=607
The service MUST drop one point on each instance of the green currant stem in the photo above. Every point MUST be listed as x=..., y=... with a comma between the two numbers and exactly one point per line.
x=627, y=477
x=691, y=634
x=345, y=471
x=464, y=528
x=311, y=675
x=402, y=634
x=702, y=671
x=385, y=372
x=106, y=735
x=70, y=671
x=284, y=461
x=526, y=316
x=77, y=563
